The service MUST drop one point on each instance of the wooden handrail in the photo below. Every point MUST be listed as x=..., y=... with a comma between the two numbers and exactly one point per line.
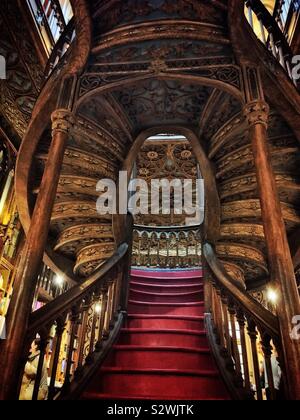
x=261, y=315
x=244, y=336
x=50, y=312
x=76, y=330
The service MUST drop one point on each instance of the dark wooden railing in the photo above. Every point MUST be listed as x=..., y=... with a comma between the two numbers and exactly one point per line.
x=74, y=331
x=61, y=47
x=271, y=35
x=166, y=247
x=245, y=336
x=49, y=286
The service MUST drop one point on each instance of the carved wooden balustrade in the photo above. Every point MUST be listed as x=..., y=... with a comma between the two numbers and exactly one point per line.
x=245, y=336
x=61, y=47
x=166, y=247
x=76, y=330
x=271, y=34
x=50, y=286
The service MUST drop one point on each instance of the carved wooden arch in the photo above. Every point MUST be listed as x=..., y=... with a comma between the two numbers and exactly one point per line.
x=45, y=105
x=212, y=201
x=184, y=78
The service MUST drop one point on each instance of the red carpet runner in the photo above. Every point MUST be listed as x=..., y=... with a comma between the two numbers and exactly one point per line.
x=163, y=352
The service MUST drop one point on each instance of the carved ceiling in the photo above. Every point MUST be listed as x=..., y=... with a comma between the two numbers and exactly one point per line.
x=155, y=63
x=120, y=12
x=25, y=75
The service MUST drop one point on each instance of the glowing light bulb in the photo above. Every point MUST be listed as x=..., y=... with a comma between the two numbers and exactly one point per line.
x=59, y=281
x=98, y=308
x=272, y=296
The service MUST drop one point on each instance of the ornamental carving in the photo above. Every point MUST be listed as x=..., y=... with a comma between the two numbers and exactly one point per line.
x=156, y=100
x=95, y=254
x=243, y=230
x=133, y=11
x=25, y=75
x=237, y=251
x=76, y=209
x=257, y=113
x=62, y=121
x=81, y=232
x=79, y=184
x=89, y=164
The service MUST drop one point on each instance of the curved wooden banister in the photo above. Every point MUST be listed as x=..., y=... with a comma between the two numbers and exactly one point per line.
x=245, y=337
x=54, y=309
x=261, y=315
x=78, y=328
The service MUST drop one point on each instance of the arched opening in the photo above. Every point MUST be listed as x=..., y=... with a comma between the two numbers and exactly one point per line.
x=167, y=200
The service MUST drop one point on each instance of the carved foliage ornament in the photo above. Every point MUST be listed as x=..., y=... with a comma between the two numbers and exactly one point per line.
x=257, y=113
x=62, y=121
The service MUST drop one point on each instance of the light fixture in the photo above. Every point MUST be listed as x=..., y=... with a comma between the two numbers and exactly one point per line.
x=58, y=281
x=98, y=308
x=272, y=296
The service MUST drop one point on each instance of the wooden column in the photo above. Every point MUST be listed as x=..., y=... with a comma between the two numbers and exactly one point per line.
x=279, y=256
x=31, y=259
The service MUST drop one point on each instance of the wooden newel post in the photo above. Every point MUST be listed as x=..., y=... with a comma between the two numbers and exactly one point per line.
x=31, y=259
x=280, y=261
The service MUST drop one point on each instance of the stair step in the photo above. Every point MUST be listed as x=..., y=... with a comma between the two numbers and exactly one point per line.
x=166, y=297
x=89, y=396
x=167, y=281
x=166, y=288
x=192, y=308
x=165, y=274
x=152, y=337
x=160, y=357
x=167, y=321
x=194, y=384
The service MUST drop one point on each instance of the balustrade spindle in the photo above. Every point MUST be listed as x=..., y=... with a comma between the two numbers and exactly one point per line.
x=250, y=14
x=60, y=327
x=90, y=357
x=68, y=375
x=82, y=334
x=242, y=323
x=219, y=319
x=253, y=334
x=108, y=312
x=236, y=353
x=104, y=305
x=112, y=305
x=226, y=325
x=268, y=351
x=262, y=29
x=42, y=347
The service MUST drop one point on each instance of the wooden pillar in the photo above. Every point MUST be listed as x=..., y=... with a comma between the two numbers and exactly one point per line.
x=31, y=259
x=280, y=261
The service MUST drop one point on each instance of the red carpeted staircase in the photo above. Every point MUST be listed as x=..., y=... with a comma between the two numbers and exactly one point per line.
x=162, y=352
